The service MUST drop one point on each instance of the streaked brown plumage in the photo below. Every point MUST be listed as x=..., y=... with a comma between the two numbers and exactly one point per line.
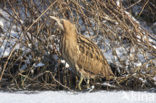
x=81, y=53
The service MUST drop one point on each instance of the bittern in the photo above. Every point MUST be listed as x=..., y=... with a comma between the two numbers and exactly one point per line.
x=82, y=54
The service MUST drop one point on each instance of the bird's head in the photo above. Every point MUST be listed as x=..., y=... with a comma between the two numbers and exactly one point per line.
x=65, y=25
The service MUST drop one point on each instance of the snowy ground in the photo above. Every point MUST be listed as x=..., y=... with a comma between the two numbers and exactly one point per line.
x=62, y=96
x=68, y=97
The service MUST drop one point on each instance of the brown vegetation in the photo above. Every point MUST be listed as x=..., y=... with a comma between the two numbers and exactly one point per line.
x=106, y=23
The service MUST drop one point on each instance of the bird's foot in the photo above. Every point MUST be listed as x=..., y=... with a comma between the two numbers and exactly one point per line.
x=91, y=88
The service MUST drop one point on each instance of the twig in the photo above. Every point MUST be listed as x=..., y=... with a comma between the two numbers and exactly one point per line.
x=22, y=37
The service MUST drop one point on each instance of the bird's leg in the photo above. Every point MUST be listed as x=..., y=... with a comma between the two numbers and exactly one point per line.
x=88, y=85
x=80, y=82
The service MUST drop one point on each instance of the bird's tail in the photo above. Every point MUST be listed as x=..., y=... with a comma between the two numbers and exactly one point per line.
x=108, y=74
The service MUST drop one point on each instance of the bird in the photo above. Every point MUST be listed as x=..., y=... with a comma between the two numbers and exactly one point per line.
x=82, y=54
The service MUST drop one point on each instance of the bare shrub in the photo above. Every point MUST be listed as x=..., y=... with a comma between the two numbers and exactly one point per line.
x=32, y=40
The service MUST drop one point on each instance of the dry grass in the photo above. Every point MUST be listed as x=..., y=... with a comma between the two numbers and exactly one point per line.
x=107, y=23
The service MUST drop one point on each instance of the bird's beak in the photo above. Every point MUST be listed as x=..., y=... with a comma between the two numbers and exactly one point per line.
x=58, y=22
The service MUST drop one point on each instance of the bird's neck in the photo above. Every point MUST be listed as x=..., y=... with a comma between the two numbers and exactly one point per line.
x=71, y=37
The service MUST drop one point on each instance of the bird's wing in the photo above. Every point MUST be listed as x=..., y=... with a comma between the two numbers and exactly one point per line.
x=91, y=57
x=89, y=48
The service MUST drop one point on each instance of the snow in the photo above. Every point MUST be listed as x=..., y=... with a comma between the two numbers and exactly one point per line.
x=10, y=37
x=70, y=97
x=118, y=3
x=78, y=97
x=39, y=64
x=66, y=64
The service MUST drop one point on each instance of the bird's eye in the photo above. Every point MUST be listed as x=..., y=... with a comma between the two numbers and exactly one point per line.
x=61, y=21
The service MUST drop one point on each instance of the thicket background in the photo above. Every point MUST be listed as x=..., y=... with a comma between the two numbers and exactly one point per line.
x=29, y=42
